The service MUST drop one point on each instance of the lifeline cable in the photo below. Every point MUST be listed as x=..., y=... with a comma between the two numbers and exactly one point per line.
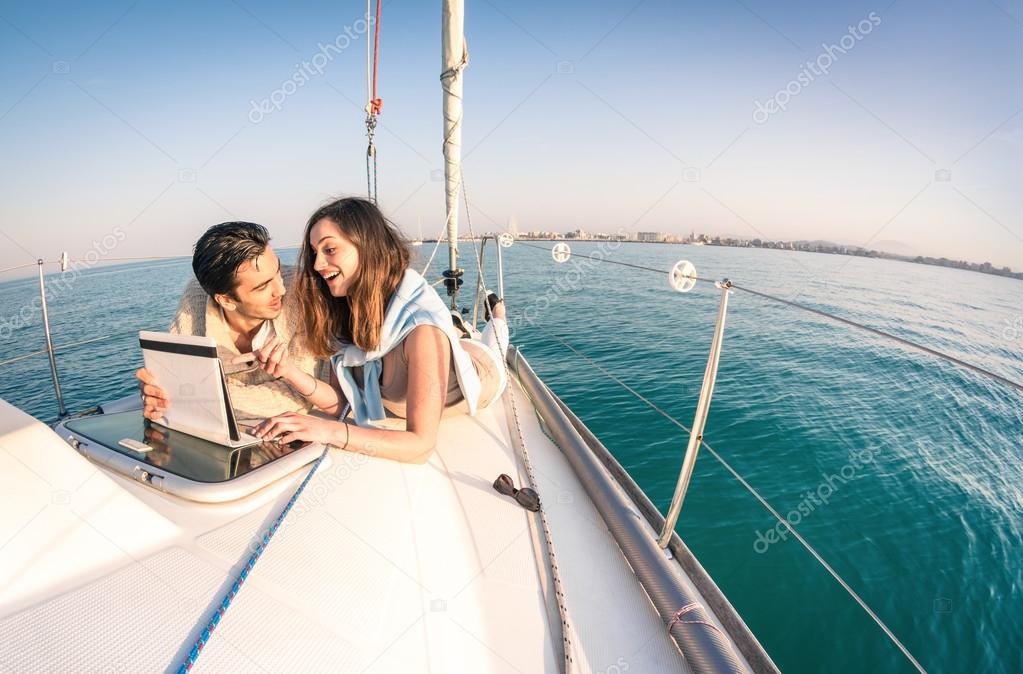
x=809, y=548
x=880, y=333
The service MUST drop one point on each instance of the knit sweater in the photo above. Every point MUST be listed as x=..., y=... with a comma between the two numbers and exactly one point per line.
x=255, y=394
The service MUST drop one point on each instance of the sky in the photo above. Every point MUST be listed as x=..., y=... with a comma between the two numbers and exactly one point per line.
x=128, y=128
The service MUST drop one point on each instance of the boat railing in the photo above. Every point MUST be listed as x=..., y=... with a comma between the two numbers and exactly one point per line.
x=64, y=263
x=682, y=277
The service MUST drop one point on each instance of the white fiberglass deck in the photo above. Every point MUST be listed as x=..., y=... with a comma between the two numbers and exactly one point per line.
x=380, y=567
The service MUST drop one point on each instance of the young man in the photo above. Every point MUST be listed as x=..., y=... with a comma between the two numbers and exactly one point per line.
x=238, y=297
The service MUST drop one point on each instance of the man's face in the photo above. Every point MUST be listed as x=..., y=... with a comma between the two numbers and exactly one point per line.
x=260, y=290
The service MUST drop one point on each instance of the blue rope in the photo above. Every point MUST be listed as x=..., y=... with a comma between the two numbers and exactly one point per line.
x=207, y=632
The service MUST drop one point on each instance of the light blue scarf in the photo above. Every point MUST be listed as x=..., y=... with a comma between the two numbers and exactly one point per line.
x=414, y=303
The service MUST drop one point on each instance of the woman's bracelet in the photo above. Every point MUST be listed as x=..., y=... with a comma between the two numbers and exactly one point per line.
x=347, y=430
x=316, y=384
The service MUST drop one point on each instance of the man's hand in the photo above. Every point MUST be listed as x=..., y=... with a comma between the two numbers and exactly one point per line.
x=272, y=359
x=154, y=399
x=291, y=426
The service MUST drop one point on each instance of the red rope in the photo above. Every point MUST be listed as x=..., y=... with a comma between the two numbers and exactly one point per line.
x=376, y=103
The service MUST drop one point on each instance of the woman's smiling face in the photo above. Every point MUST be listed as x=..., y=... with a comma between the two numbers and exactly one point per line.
x=336, y=258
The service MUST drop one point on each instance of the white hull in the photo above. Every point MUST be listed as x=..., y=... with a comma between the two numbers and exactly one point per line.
x=380, y=566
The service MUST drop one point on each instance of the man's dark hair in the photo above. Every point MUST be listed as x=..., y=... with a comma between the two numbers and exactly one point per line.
x=222, y=249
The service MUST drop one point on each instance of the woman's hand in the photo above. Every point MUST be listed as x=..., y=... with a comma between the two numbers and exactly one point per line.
x=272, y=358
x=291, y=426
x=154, y=398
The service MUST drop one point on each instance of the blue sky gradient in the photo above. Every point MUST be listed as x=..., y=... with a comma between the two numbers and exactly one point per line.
x=634, y=115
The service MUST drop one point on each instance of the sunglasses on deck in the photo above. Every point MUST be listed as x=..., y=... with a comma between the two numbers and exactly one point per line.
x=525, y=497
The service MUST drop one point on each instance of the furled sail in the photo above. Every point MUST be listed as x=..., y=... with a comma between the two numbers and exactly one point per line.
x=455, y=57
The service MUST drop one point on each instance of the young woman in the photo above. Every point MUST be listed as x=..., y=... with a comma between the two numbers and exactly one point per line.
x=390, y=339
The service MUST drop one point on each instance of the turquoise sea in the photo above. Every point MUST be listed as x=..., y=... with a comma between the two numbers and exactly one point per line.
x=903, y=471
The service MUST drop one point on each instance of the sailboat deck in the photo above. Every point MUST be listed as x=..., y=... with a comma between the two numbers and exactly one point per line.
x=379, y=567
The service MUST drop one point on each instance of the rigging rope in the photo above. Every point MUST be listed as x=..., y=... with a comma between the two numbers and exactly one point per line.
x=926, y=349
x=94, y=262
x=880, y=333
x=374, y=104
x=841, y=581
x=436, y=245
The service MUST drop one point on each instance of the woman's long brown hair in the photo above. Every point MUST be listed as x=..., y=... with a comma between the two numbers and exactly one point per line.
x=358, y=317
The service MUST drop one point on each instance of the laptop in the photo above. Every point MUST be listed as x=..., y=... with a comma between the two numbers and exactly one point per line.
x=189, y=369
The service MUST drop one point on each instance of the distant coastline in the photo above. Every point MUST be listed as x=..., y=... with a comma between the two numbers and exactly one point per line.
x=826, y=247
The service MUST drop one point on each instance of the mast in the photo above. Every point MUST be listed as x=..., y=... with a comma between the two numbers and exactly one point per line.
x=454, y=58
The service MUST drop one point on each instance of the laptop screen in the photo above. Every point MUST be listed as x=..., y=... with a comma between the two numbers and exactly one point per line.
x=189, y=368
